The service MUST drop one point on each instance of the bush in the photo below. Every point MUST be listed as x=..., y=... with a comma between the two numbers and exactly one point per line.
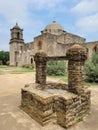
x=91, y=69
x=56, y=68
x=4, y=57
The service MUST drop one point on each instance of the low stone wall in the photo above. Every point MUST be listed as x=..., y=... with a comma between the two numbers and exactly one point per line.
x=37, y=106
x=41, y=104
x=70, y=111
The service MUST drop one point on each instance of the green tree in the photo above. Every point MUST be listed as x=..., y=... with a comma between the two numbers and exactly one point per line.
x=56, y=68
x=91, y=69
x=4, y=57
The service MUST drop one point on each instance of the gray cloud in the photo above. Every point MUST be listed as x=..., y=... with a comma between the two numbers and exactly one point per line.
x=12, y=11
x=86, y=12
x=85, y=7
x=88, y=24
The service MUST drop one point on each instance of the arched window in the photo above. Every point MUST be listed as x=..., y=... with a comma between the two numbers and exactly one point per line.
x=18, y=35
x=31, y=60
x=39, y=45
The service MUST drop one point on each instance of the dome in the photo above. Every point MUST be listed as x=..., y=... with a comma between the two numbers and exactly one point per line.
x=54, y=28
x=54, y=25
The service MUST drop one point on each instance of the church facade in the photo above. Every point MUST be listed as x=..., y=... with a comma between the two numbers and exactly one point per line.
x=54, y=41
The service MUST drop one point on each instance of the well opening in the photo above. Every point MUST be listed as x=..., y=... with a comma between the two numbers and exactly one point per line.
x=70, y=102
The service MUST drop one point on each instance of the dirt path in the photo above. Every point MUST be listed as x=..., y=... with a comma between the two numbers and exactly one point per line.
x=13, y=118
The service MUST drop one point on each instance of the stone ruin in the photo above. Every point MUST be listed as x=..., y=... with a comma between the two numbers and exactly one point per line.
x=67, y=104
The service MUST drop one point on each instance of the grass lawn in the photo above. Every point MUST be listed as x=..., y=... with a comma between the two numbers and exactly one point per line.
x=20, y=70
x=61, y=78
x=14, y=70
x=65, y=79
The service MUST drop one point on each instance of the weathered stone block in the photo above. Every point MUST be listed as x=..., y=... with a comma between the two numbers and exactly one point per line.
x=37, y=104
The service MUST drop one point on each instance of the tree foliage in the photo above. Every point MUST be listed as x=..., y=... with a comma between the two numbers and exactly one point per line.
x=4, y=57
x=91, y=69
x=56, y=68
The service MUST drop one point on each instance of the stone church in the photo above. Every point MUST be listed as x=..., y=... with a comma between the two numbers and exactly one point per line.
x=53, y=40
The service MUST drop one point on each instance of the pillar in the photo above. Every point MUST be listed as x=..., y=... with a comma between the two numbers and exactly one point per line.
x=76, y=57
x=40, y=59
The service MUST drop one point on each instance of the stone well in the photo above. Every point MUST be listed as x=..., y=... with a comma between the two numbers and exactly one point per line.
x=41, y=100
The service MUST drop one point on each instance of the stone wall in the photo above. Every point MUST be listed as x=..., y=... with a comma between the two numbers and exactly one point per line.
x=91, y=48
x=54, y=45
x=70, y=102
x=37, y=106
x=73, y=109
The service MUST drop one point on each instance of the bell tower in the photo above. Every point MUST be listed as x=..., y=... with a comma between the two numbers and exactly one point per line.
x=16, y=44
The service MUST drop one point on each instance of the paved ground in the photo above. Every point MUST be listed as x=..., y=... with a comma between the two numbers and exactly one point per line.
x=13, y=118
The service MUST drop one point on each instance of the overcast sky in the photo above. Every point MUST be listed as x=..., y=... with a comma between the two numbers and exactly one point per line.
x=76, y=16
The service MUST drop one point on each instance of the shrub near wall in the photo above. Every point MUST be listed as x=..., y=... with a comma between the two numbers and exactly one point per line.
x=91, y=69
x=56, y=68
x=4, y=57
